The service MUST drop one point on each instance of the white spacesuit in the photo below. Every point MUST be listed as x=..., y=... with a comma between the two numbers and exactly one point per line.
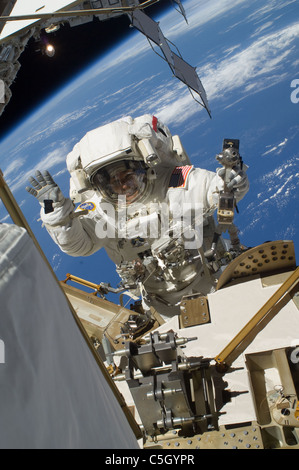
x=142, y=200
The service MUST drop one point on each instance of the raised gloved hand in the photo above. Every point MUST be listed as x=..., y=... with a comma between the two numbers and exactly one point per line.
x=45, y=190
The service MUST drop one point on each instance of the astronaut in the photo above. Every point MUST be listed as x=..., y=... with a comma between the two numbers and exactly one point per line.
x=141, y=199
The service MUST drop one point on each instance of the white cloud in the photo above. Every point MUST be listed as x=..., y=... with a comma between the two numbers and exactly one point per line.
x=260, y=60
x=262, y=28
x=56, y=261
x=178, y=110
x=199, y=12
x=231, y=49
x=278, y=188
x=280, y=184
x=53, y=158
x=247, y=71
x=277, y=147
x=13, y=167
x=258, y=66
x=60, y=123
x=43, y=128
x=5, y=218
x=268, y=7
x=283, y=142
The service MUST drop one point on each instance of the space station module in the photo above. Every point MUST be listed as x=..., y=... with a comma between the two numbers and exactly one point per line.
x=139, y=197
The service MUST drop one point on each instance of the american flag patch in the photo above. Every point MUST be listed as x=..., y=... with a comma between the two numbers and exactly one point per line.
x=179, y=176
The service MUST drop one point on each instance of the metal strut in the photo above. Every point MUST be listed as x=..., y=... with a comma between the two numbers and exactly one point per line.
x=222, y=359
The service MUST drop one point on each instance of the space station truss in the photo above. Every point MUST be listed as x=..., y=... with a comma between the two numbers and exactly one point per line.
x=16, y=28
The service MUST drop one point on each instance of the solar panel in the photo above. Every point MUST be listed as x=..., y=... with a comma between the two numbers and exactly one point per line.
x=181, y=8
x=188, y=75
x=180, y=68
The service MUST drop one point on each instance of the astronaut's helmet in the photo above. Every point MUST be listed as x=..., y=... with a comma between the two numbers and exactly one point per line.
x=124, y=181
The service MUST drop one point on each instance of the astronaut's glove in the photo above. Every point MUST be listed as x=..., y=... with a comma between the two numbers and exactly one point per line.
x=46, y=191
x=237, y=178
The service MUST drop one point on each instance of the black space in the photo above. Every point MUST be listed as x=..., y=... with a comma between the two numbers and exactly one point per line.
x=76, y=47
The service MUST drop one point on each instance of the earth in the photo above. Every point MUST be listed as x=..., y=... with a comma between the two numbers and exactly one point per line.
x=246, y=55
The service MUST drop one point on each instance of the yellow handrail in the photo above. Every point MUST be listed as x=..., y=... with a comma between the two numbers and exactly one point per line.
x=222, y=358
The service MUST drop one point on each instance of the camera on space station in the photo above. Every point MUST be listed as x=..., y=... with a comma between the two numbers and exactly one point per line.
x=229, y=158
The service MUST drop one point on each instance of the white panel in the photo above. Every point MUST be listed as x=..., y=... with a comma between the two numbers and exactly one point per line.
x=52, y=391
x=25, y=7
